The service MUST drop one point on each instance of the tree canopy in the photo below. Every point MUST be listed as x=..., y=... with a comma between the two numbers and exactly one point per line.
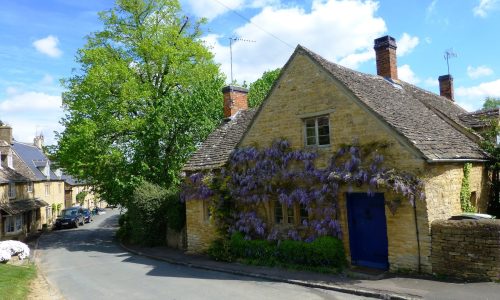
x=491, y=102
x=260, y=88
x=147, y=91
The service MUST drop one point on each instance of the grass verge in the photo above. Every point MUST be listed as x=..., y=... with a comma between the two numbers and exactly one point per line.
x=15, y=280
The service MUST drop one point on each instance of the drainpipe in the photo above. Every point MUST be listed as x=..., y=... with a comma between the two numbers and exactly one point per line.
x=416, y=230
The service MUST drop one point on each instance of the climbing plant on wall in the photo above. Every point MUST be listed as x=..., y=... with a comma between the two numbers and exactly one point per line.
x=465, y=191
x=255, y=177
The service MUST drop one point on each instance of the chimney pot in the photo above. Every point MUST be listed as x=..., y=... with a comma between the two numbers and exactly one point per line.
x=446, y=86
x=385, y=52
x=235, y=99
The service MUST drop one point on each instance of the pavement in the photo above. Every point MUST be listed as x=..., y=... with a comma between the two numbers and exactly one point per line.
x=384, y=286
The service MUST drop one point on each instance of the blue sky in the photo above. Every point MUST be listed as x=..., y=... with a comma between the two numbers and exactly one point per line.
x=39, y=40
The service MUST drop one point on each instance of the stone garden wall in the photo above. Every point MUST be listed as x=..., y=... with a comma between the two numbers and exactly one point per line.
x=466, y=249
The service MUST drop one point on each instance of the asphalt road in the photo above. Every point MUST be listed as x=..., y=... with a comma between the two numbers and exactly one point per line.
x=87, y=263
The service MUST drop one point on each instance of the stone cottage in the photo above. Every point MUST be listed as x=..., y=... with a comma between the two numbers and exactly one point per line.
x=318, y=105
x=20, y=210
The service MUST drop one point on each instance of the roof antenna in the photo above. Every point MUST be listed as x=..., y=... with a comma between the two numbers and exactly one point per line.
x=449, y=53
x=231, y=41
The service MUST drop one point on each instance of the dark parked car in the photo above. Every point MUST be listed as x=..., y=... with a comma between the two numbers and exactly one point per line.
x=87, y=215
x=70, y=217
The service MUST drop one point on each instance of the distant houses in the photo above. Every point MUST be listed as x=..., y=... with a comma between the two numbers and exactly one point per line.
x=32, y=193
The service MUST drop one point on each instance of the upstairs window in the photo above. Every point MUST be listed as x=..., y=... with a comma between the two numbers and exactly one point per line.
x=12, y=190
x=29, y=187
x=10, y=164
x=317, y=131
x=47, y=189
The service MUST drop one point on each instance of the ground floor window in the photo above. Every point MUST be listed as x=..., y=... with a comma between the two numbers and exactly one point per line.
x=13, y=223
x=295, y=214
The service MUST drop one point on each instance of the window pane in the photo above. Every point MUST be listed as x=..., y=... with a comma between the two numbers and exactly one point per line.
x=323, y=121
x=304, y=215
x=289, y=213
x=278, y=212
x=311, y=141
x=323, y=130
x=324, y=140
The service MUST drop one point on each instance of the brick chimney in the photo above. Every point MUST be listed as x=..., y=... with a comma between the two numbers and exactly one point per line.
x=446, y=86
x=6, y=133
x=385, y=52
x=235, y=99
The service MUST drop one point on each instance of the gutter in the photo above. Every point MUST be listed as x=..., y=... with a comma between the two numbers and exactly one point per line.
x=447, y=160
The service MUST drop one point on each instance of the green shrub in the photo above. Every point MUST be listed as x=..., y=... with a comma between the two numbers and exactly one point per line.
x=322, y=252
x=150, y=211
x=220, y=250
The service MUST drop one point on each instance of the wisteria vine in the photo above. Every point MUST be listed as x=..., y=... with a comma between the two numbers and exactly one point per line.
x=254, y=177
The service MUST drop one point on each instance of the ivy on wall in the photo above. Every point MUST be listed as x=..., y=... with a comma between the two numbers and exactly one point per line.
x=253, y=178
x=465, y=192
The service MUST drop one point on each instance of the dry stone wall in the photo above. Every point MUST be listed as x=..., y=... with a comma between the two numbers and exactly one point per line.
x=467, y=249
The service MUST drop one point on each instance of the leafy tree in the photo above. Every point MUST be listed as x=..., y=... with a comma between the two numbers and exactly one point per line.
x=490, y=146
x=259, y=89
x=491, y=102
x=146, y=93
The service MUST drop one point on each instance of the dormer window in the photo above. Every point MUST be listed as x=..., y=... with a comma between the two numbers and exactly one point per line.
x=10, y=163
x=317, y=131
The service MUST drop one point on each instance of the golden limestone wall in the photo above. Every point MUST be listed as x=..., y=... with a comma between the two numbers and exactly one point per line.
x=54, y=194
x=200, y=227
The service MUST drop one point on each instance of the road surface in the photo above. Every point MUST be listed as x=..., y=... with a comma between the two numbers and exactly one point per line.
x=87, y=263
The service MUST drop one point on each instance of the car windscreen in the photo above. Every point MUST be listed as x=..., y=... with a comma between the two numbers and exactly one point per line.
x=68, y=213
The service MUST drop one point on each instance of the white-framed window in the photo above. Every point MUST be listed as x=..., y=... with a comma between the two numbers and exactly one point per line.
x=317, y=131
x=12, y=190
x=10, y=163
x=13, y=224
x=47, y=189
x=29, y=187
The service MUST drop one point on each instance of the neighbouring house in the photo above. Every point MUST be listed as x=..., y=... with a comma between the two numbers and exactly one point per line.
x=320, y=106
x=73, y=187
x=48, y=184
x=20, y=209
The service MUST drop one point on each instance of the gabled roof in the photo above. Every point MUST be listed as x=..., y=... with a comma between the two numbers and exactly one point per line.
x=20, y=173
x=35, y=159
x=215, y=151
x=427, y=122
x=430, y=124
x=481, y=118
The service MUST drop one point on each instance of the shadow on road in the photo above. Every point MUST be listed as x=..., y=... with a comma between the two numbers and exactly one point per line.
x=98, y=241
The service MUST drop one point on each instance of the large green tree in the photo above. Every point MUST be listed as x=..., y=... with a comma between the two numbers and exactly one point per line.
x=491, y=102
x=260, y=88
x=147, y=91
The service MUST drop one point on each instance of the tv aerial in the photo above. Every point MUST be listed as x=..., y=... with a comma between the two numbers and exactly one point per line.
x=449, y=53
x=233, y=40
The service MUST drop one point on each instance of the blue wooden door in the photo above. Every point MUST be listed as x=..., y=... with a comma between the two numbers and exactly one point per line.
x=367, y=230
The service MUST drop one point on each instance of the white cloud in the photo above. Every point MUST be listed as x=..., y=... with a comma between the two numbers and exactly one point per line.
x=212, y=9
x=484, y=7
x=330, y=29
x=428, y=40
x=480, y=71
x=405, y=73
x=406, y=44
x=29, y=112
x=48, y=46
x=473, y=97
x=29, y=101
